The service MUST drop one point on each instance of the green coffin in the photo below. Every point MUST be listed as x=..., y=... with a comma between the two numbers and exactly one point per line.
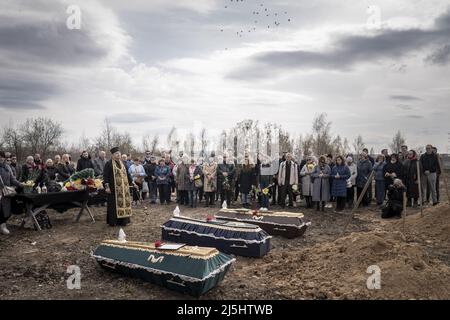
x=191, y=270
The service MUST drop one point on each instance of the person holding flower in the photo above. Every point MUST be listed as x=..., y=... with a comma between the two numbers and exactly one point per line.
x=193, y=183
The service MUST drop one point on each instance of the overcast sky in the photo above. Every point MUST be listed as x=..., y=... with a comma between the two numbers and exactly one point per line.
x=151, y=64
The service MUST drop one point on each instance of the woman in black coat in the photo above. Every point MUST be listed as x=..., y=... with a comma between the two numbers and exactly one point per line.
x=246, y=180
x=64, y=168
x=392, y=170
x=410, y=178
x=394, y=205
x=7, y=179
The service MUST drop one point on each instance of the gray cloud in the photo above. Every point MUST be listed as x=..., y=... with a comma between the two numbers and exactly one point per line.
x=404, y=107
x=404, y=98
x=22, y=93
x=414, y=116
x=132, y=118
x=38, y=51
x=440, y=57
x=351, y=50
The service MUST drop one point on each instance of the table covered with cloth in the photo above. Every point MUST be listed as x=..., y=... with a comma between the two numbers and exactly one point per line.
x=35, y=203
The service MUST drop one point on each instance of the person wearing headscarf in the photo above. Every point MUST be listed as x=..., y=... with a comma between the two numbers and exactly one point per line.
x=321, y=183
x=117, y=185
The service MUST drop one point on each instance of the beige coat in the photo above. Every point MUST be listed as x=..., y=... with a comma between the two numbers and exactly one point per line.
x=210, y=177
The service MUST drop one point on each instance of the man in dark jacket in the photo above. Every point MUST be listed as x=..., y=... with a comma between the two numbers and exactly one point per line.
x=17, y=168
x=149, y=168
x=430, y=167
x=99, y=163
x=84, y=162
x=225, y=175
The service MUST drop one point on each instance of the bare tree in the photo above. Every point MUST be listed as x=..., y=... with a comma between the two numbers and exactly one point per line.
x=397, y=142
x=346, y=147
x=307, y=145
x=172, y=140
x=203, y=142
x=338, y=146
x=154, y=144
x=41, y=134
x=105, y=140
x=124, y=142
x=12, y=140
x=358, y=144
x=321, y=134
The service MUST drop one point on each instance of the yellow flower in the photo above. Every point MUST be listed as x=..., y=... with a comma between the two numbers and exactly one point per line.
x=265, y=191
x=98, y=184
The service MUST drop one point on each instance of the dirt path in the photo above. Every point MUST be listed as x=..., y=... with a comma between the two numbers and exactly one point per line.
x=316, y=266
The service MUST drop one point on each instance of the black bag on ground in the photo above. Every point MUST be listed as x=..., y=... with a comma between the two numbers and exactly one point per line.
x=43, y=220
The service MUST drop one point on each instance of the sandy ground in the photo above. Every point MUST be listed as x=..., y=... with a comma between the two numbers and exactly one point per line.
x=320, y=265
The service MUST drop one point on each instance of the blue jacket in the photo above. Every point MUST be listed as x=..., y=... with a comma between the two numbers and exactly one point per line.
x=364, y=171
x=379, y=168
x=161, y=173
x=339, y=186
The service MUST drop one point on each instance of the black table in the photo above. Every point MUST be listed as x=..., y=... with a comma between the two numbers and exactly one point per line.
x=59, y=201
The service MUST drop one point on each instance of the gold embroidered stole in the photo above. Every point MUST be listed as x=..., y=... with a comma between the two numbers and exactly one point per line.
x=122, y=190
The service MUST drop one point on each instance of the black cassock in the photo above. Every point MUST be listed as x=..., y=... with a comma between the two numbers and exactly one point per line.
x=111, y=213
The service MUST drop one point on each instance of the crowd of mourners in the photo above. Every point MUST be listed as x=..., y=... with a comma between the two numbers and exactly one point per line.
x=318, y=182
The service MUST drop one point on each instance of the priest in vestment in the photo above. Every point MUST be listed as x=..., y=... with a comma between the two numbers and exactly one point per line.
x=117, y=185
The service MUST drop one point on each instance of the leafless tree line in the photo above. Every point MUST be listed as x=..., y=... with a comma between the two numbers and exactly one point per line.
x=45, y=136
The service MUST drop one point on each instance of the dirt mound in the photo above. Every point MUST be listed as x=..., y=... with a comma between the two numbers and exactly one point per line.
x=434, y=225
x=414, y=265
x=338, y=269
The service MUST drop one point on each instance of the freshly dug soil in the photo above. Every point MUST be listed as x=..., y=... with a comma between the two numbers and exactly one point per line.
x=320, y=265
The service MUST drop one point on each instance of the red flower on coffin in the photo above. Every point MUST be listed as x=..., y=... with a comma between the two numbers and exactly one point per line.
x=210, y=218
x=158, y=244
